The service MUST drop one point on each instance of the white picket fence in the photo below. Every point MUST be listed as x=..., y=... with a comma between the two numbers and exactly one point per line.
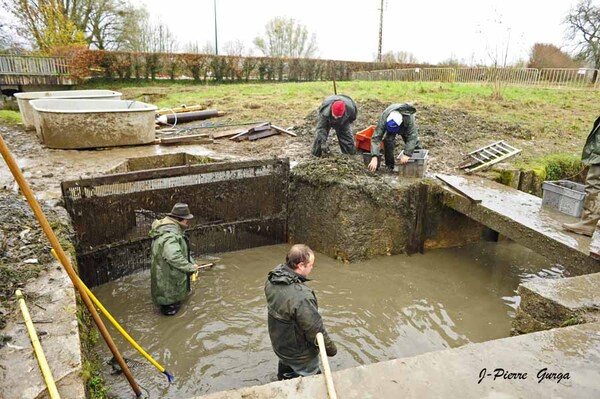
x=545, y=77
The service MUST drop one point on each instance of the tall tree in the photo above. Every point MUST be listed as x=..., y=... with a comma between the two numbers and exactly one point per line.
x=103, y=23
x=549, y=56
x=583, y=27
x=286, y=37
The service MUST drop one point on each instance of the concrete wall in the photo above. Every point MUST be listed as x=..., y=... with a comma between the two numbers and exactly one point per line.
x=551, y=303
x=356, y=219
x=560, y=363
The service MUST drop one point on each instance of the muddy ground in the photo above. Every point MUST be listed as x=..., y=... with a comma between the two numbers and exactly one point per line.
x=448, y=134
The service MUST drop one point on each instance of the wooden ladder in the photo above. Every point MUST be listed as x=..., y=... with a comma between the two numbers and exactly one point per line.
x=485, y=157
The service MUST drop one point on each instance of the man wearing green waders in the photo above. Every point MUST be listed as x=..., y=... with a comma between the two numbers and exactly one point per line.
x=172, y=264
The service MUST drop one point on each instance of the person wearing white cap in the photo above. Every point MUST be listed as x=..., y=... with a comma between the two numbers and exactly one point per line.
x=397, y=119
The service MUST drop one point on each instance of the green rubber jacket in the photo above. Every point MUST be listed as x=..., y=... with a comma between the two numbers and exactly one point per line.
x=591, y=149
x=171, y=263
x=408, y=129
x=293, y=317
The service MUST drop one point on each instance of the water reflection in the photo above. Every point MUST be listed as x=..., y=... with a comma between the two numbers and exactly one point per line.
x=378, y=310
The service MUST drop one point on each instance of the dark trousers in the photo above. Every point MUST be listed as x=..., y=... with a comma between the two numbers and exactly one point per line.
x=345, y=139
x=285, y=372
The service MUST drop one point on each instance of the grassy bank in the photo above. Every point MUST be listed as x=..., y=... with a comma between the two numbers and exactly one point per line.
x=559, y=115
x=10, y=117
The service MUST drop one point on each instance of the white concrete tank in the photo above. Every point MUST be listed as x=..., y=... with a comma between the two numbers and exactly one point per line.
x=24, y=98
x=81, y=123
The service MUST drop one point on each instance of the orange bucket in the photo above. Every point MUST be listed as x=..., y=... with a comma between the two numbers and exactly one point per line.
x=363, y=138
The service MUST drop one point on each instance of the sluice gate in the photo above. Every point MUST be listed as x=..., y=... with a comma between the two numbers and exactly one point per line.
x=236, y=205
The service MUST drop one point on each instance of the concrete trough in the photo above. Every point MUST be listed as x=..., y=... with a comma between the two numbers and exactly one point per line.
x=78, y=124
x=23, y=100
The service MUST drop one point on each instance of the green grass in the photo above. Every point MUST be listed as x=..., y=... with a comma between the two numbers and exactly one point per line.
x=552, y=115
x=10, y=117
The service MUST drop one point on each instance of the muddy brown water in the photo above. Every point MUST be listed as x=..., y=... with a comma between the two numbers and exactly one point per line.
x=377, y=310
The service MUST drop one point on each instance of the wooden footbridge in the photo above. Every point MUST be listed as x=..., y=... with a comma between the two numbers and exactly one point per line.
x=520, y=217
x=22, y=72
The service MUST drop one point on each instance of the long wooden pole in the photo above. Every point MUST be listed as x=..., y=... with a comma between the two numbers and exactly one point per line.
x=326, y=370
x=62, y=256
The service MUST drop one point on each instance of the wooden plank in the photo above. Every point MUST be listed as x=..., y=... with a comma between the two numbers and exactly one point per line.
x=227, y=133
x=237, y=137
x=282, y=130
x=202, y=138
x=458, y=190
x=417, y=239
x=168, y=172
x=180, y=109
x=263, y=134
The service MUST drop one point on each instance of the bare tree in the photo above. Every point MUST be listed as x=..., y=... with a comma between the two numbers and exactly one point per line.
x=400, y=57
x=286, y=37
x=10, y=42
x=158, y=38
x=235, y=47
x=583, y=27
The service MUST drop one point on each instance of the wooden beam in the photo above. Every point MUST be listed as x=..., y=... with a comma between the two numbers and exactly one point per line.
x=180, y=109
x=282, y=130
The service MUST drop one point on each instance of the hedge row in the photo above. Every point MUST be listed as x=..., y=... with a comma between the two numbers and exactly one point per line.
x=204, y=67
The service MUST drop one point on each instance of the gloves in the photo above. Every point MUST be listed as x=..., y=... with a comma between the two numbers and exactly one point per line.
x=331, y=349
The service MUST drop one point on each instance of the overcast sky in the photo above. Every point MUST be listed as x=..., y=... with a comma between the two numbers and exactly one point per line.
x=471, y=31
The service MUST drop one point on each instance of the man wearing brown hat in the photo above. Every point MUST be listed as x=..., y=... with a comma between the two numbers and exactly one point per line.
x=172, y=264
x=337, y=112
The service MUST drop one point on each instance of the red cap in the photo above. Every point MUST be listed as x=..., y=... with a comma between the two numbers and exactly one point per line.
x=338, y=108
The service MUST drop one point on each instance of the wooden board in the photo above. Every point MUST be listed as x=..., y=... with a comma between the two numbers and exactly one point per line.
x=180, y=109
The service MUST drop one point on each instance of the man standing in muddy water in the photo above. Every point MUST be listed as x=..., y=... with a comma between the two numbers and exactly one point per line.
x=172, y=264
x=397, y=119
x=337, y=112
x=293, y=316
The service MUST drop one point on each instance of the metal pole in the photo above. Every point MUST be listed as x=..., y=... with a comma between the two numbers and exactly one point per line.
x=216, y=42
x=380, y=32
x=62, y=256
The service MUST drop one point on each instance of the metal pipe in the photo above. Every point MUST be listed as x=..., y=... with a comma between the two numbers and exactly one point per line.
x=124, y=333
x=326, y=370
x=39, y=214
x=37, y=348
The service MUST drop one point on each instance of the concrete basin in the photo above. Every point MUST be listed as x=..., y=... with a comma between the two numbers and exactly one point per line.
x=81, y=123
x=26, y=110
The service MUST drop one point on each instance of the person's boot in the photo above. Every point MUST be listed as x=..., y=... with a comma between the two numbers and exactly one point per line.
x=584, y=227
x=588, y=222
x=169, y=310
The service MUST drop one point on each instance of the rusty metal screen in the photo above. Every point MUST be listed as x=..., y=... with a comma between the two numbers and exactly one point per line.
x=236, y=205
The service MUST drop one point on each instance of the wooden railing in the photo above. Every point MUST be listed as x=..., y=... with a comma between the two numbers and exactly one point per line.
x=33, y=65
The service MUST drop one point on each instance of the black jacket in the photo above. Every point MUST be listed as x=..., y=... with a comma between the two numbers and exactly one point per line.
x=294, y=318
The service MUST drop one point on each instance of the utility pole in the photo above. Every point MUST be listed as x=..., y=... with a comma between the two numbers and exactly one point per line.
x=216, y=42
x=380, y=32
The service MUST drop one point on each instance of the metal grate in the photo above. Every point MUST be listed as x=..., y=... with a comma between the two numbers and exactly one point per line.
x=236, y=205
